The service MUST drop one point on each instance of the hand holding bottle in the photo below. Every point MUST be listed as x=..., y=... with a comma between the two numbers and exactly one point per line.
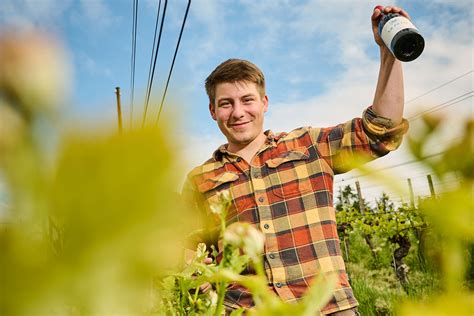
x=377, y=14
x=394, y=31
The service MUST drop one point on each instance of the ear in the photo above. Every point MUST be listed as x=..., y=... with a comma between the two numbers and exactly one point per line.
x=265, y=103
x=212, y=110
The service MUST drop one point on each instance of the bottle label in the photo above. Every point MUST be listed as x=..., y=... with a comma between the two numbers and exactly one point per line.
x=392, y=27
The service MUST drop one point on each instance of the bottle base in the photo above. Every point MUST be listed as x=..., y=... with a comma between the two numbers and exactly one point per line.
x=407, y=46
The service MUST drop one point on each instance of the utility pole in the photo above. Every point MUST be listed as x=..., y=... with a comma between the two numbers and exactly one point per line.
x=119, y=109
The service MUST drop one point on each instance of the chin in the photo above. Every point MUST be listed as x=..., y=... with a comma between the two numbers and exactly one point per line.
x=243, y=140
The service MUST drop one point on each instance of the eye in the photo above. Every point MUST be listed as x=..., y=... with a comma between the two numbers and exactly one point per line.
x=248, y=100
x=224, y=104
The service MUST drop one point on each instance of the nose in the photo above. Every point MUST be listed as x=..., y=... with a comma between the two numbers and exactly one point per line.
x=237, y=110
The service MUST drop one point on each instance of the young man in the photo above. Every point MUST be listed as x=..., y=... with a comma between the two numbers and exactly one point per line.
x=283, y=183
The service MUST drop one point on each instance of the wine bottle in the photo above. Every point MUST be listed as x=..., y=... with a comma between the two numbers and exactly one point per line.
x=400, y=36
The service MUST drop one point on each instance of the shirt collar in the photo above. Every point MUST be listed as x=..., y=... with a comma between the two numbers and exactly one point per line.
x=271, y=140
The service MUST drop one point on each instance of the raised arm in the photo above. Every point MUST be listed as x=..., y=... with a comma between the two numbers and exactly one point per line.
x=389, y=94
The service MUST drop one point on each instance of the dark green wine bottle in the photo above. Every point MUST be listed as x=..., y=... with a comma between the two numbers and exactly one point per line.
x=400, y=36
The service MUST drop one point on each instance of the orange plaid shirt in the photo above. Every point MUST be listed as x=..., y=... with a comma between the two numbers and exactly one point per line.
x=287, y=192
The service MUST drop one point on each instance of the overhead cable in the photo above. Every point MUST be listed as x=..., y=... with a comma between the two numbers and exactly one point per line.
x=172, y=63
x=392, y=166
x=132, y=62
x=150, y=86
x=440, y=86
x=443, y=105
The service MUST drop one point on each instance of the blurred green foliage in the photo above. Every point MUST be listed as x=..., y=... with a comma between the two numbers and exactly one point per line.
x=104, y=220
x=92, y=220
x=451, y=217
x=440, y=226
x=95, y=222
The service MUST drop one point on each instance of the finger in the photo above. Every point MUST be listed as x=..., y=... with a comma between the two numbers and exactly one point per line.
x=207, y=260
x=377, y=11
x=375, y=15
x=405, y=14
x=396, y=9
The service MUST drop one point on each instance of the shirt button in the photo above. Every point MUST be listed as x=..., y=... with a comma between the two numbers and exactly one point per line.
x=278, y=285
x=239, y=159
x=261, y=199
x=266, y=226
x=272, y=256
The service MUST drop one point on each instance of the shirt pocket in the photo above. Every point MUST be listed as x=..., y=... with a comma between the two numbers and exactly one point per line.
x=217, y=182
x=226, y=181
x=288, y=173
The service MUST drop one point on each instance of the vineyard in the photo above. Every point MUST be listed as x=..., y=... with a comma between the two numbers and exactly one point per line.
x=390, y=244
x=96, y=227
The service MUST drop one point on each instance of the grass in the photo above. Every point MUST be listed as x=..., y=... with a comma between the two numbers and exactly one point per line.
x=375, y=284
x=376, y=290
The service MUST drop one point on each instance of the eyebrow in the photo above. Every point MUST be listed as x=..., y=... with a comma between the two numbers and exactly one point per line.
x=248, y=95
x=244, y=96
x=223, y=99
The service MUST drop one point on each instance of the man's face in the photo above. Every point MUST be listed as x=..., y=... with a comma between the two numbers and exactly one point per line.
x=239, y=109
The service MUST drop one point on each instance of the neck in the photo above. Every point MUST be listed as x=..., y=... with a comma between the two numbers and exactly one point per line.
x=249, y=150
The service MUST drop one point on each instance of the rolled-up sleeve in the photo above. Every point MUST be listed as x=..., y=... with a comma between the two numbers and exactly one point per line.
x=346, y=145
x=385, y=136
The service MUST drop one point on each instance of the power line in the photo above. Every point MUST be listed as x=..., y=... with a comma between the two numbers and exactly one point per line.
x=393, y=166
x=402, y=164
x=150, y=77
x=172, y=63
x=443, y=105
x=132, y=62
x=419, y=186
x=151, y=61
x=413, y=177
x=448, y=103
x=440, y=86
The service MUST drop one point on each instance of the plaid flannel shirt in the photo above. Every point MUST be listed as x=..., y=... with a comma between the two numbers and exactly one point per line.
x=287, y=193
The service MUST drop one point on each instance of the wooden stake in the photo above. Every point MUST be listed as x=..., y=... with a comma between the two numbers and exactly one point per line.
x=430, y=183
x=361, y=201
x=346, y=248
x=119, y=109
x=412, y=197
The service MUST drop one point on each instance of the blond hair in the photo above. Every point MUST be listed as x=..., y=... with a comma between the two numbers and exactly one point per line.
x=233, y=70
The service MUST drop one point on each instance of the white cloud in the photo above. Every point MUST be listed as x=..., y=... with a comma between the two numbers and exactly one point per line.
x=29, y=14
x=88, y=64
x=50, y=14
x=346, y=96
x=98, y=13
x=195, y=150
x=199, y=148
x=342, y=30
x=460, y=4
x=448, y=54
x=210, y=19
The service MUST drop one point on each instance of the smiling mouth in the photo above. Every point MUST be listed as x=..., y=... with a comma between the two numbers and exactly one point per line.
x=237, y=125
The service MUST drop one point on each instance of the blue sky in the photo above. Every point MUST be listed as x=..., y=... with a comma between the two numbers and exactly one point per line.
x=318, y=56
